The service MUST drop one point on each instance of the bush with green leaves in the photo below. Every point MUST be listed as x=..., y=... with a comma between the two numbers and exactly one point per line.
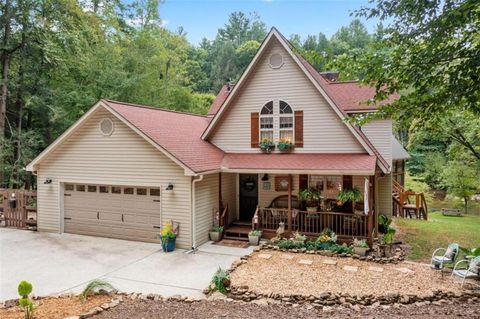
x=94, y=287
x=255, y=232
x=24, y=289
x=384, y=226
x=474, y=252
x=217, y=229
x=220, y=280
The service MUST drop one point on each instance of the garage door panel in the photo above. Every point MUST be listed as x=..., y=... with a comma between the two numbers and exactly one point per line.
x=100, y=213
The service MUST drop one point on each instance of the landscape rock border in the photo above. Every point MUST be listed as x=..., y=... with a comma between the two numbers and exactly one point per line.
x=328, y=299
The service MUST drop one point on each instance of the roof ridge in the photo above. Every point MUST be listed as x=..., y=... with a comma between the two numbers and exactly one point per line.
x=155, y=108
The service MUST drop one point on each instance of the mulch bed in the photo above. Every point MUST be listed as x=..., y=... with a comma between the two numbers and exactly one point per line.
x=137, y=309
x=54, y=308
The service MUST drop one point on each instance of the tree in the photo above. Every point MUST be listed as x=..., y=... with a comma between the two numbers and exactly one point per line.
x=462, y=181
x=429, y=53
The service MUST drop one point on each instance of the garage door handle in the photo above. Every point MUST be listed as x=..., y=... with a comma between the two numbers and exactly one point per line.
x=122, y=217
x=156, y=227
x=156, y=200
x=67, y=218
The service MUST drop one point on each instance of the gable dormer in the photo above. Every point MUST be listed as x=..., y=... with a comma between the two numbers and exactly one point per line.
x=276, y=99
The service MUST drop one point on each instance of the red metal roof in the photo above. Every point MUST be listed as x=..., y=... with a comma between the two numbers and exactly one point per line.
x=308, y=162
x=178, y=133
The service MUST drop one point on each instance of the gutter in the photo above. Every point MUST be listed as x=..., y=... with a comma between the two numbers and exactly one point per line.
x=194, y=215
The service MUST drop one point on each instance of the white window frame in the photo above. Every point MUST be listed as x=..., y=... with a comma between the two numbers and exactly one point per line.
x=286, y=115
x=267, y=116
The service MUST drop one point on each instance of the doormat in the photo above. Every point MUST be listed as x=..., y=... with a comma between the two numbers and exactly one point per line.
x=232, y=243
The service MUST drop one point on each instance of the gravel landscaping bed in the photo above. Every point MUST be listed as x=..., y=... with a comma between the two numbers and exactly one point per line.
x=137, y=309
x=54, y=308
x=304, y=274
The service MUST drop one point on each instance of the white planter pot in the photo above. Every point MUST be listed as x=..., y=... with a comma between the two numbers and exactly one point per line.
x=215, y=236
x=253, y=240
x=360, y=251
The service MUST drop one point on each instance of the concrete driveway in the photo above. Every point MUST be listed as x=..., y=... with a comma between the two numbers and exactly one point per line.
x=56, y=263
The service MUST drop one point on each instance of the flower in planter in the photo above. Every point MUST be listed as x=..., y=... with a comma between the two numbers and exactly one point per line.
x=168, y=237
x=266, y=145
x=285, y=144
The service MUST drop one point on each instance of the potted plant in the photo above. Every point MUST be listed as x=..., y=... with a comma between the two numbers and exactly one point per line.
x=168, y=238
x=266, y=145
x=299, y=239
x=360, y=246
x=350, y=195
x=254, y=237
x=384, y=226
x=311, y=196
x=285, y=145
x=216, y=233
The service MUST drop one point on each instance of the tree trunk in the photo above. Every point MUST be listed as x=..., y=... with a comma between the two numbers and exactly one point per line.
x=466, y=204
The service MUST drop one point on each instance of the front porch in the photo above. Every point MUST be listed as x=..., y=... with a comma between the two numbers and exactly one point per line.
x=269, y=201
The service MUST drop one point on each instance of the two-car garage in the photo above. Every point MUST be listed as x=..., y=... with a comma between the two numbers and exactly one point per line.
x=123, y=212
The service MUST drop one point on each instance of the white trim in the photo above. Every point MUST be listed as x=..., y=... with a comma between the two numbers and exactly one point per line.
x=247, y=72
x=32, y=166
x=299, y=172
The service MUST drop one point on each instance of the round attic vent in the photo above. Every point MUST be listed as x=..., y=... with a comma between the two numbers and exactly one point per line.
x=275, y=60
x=106, y=126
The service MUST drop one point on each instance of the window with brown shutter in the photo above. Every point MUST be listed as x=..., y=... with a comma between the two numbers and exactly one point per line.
x=298, y=128
x=254, y=129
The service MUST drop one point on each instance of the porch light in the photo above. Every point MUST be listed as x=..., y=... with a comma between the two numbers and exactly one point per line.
x=169, y=187
x=265, y=178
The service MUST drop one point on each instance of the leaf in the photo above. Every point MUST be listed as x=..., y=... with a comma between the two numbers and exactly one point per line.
x=24, y=288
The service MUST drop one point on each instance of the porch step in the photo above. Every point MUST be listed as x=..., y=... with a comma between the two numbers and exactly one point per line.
x=237, y=232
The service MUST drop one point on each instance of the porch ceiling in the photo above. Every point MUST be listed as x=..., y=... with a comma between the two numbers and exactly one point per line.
x=334, y=164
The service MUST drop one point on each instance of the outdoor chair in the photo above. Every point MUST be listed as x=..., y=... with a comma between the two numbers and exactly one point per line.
x=471, y=271
x=449, y=256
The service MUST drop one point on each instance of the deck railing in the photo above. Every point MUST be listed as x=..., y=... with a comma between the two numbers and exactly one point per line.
x=16, y=214
x=346, y=226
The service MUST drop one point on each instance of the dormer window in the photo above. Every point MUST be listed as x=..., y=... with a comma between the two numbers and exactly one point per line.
x=286, y=122
x=266, y=121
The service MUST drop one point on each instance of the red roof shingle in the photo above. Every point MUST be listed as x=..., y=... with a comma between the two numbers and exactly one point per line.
x=178, y=133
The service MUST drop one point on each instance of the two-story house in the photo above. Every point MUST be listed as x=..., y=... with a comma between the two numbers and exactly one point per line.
x=123, y=170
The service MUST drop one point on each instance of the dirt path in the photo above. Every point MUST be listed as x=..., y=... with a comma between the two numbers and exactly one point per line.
x=219, y=309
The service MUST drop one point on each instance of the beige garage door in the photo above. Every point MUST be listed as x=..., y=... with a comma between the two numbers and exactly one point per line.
x=123, y=212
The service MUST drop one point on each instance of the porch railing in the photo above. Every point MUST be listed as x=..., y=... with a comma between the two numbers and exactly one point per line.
x=346, y=226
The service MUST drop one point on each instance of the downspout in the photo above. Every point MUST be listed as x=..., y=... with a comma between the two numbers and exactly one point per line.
x=194, y=214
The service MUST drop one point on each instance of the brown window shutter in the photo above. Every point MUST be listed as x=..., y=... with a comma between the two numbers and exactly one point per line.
x=347, y=182
x=303, y=181
x=298, y=128
x=254, y=129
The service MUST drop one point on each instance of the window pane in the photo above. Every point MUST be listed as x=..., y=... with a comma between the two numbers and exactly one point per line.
x=92, y=188
x=141, y=191
x=80, y=188
x=266, y=122
x=286, y=122
x=116, y=190
x=285, y=108
x=103, y=189
x=128, y=190
x=68, y=187
x=286, y=135
x=267, y=109
x=154, y=191
x=266, y=134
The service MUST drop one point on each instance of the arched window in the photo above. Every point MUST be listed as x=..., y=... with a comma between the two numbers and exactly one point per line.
x=286, y=122
x=266, y=121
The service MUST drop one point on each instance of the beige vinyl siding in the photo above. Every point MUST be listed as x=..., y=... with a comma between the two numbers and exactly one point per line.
x=324, y=131
x=383, y=198
x=229, y=195
x=265, y=197
x=379, y=132
x=124, y=158
x=206, y=202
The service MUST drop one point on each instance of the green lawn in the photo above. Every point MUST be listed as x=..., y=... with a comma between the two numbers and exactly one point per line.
x=425, y=236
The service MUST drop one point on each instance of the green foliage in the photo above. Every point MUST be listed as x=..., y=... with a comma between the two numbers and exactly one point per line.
x=221, y=280
x=24, y=289
x=217, y=229
x=462, y=181
x=310, y=195
x=299, y=237
x=327, y=236
x=255, y=232
x=475, y=252
x=384, y=227
x=350, y=195
x=266, y=145
x=362, y=243
x=94, y=287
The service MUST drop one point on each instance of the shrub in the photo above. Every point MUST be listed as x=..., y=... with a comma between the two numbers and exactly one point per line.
x=255, y=232
x=24, y=289
x=362, y=243
x=221, y=280
x=289, y=244
x=217, y=229
x=327, y=236
x=94, y=287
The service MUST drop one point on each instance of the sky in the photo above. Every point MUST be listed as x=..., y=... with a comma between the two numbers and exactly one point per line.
x=202, y=18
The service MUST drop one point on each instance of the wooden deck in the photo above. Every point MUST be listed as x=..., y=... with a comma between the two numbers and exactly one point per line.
x=407, y=204
x=237, y=231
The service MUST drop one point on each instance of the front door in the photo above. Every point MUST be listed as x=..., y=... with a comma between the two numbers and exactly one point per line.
x=248, y=196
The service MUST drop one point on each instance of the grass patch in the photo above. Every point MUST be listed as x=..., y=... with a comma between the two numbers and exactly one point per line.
x=425, y=236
